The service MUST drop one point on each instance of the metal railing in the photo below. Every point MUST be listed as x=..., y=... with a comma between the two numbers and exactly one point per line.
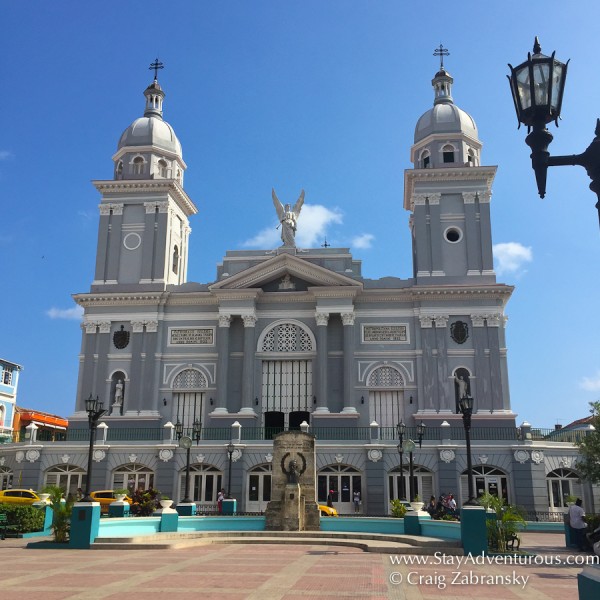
x=350, y=434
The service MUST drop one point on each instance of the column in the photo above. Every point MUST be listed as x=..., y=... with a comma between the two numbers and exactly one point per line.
x=134, y=391
x=487, y=258
x=113, y=257
x=102, y=363
x=87, y=368
x=149, y=243
x=149, y=399
x=102, y=251
x=321, y=371
x=472, y=235
x=429, y=396
x=349, y=399
x=493, y=324
x=441, y=324
x=437, y=265
x=481, y=391
x=248, y=364
x=422, y=242
x=222, y=362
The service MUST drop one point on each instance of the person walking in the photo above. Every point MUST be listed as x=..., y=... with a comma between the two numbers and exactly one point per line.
x=578, y=524
x=356, y=501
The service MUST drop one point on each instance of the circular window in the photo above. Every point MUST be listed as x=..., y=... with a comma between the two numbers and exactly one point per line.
x=132, y=241
x=453, y=235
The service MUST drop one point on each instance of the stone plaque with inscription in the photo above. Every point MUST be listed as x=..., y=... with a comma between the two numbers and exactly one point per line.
x=384, y=333
x=196, y=336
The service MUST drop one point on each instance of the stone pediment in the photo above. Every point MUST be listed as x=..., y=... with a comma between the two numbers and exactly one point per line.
x=285, y=273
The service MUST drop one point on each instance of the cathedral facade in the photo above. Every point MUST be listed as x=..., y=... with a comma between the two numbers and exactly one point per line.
x=291, y=338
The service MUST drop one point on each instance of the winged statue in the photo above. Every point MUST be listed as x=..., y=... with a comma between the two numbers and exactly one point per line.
x=288, y=217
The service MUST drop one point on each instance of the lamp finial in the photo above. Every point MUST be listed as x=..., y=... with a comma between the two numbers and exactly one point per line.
x=537, y=49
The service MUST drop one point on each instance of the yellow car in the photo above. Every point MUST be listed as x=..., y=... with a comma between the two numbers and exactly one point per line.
x=327, y=511
x=106, y=498
x=18, y=497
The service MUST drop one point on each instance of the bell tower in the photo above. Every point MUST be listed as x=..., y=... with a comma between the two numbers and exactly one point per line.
x=448, y=194
x=144, y=228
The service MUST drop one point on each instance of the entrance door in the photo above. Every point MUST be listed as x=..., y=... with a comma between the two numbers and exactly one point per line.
x=258, y=492
x=341, y=481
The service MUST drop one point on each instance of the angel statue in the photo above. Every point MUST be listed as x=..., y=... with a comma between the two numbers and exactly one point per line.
x=288, y=217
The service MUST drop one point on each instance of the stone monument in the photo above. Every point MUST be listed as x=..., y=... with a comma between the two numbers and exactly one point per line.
x=293, y=505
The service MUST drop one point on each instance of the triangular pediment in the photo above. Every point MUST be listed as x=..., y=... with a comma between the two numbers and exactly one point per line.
x=285, y=268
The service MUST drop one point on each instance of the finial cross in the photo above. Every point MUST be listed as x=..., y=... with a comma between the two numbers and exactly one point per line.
x=441, y=52
x=156, y=65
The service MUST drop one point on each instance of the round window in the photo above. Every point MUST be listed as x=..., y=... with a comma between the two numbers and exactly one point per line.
x=453, y=235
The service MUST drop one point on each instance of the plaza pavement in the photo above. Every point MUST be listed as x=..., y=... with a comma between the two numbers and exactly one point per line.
x=273, y=572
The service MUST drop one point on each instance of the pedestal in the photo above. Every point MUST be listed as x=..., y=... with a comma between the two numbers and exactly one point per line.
x=187, y=509
x=411, y=524
x=473, y=530
x=118, y=509
x=85, y=524
x=229, y=506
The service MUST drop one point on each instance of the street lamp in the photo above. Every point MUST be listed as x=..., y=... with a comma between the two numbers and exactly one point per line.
x=197, y=431
x=95, y=410
x=185, y=442
x=230, y=449
x=409, y=446
x=465, y=405
x=537, y=87
x=401, y=429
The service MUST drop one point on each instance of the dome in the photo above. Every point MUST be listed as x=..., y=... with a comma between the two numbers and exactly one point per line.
x=151, y=131
x=445, y=118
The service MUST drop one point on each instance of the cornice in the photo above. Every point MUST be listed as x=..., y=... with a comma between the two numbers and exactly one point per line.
x=90, y=300
x=165, y=186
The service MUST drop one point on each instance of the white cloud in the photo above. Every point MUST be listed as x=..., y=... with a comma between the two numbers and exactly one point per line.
x=65, y=313
x=363, y=241
x=312, y=225
x=591, y=384
x=511, y=257
x=5, y=154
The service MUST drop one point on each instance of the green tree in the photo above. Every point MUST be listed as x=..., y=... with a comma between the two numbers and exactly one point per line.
x=588, y=463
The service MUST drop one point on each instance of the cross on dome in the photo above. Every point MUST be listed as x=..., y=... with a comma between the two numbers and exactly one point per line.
x=441, y=52
x=156, y=65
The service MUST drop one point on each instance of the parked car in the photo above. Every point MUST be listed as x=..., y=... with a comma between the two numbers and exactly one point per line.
x=17, y=496
x=327, y=511
x=106, y=498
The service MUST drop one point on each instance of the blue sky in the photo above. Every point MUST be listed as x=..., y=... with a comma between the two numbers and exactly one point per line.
x=320, y=95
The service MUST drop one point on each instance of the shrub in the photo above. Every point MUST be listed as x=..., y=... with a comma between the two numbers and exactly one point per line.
x=398, y=509
x=144, y=502
x=61, y=520
x=508, y=522
x=25, y=518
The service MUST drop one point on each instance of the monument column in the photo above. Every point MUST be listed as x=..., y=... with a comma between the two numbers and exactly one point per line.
x=322, y=319
x=248, y=364
x=223, y=362
x=349, y=399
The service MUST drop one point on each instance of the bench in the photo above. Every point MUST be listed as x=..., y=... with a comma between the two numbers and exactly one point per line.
x=4, y=526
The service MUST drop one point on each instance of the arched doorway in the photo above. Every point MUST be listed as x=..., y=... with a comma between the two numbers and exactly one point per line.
x=258, y=489
x=343, y=481
x=490, y=480
x=205, y=483
x=6, y=478
x=133, y=477
x=399, y=483
x=386, y=396
x=189, y=399
x=67, y=477
x=562, y=483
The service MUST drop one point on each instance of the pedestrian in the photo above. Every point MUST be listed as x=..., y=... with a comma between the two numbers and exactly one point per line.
x=431, y=507
x=356, y=501
x=578, y=524
x=330, y=499
x=220, y=498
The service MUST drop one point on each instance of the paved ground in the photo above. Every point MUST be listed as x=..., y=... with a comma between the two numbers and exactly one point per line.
x=273, y=572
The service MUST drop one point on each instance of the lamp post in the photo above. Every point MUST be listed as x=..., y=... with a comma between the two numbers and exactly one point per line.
x=465, y=405
x=230, y=449
x=537, y=87
x=409, y=446
x=401, y=429
x=95, y=410
x=186, y=443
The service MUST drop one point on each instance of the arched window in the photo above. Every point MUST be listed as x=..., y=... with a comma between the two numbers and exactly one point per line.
x=2, y=414
x=448, y=153
x=426, y=159
x=6, y=478
x=133, y=477
x=119, y=170
x=471, y=158
x=163, y=168
x=138, y=165
x=175, y=260
x=205, y=483
x=562, y=483
x=486, y=479
x=67, y=477
x=117, y=392
x=188, y=399
x=386, y=401
x=287, y=337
